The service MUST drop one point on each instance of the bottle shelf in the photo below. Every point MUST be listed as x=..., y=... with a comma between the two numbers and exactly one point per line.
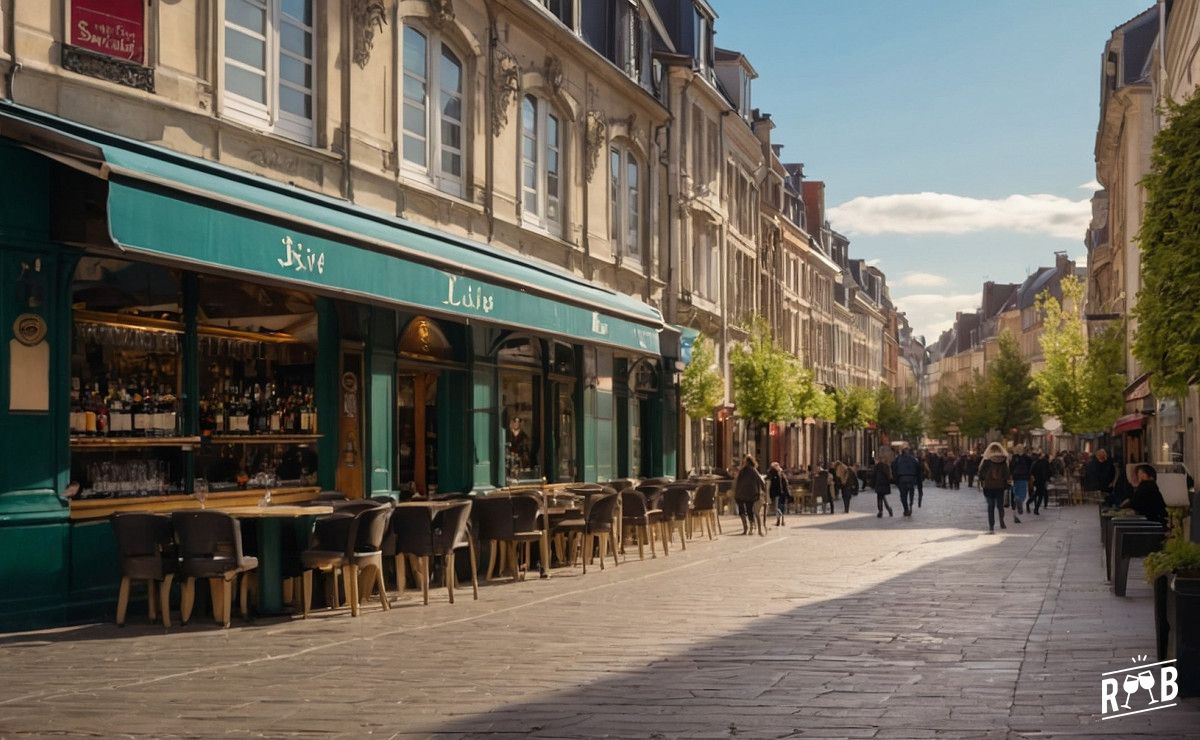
x=263, y=439
x=125, y=443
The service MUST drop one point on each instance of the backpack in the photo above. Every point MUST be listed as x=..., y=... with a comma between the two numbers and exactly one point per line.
x=995, y=477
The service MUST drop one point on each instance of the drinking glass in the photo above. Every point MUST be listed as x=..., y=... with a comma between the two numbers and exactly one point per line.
x=1146, y=681
x=200, y=490
x=1130, y=684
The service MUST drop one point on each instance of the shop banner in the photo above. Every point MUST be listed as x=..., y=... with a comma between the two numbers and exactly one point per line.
x=114, y=28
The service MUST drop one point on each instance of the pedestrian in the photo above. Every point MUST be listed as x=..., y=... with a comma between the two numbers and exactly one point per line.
x=1020, y=467
x=994, y=477
x=971, y=467
x=881, y=477
x=935, y=467
x=748, y=488
x=846, y=480
x=781, y=494
x=1100, y=474
x=956, y=471
x=922, y=476
x=1041, y=477
x=906, y=471
x=1147, y=500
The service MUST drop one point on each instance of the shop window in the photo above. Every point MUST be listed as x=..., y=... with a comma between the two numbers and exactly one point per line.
x=126, y=422
x=432, y=115
x=520, y=398
x=624, y=177
x=541, y=164
x=257, y=350
x=268, y=66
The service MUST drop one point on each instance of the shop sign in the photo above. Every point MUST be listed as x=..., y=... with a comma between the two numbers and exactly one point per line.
x=467, y=295
x=300, y=258
x=114, y=28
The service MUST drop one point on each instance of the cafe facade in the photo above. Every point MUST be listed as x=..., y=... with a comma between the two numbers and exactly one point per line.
x=181, y=330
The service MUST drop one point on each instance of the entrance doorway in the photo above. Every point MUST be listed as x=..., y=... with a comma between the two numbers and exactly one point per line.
x=417, y=430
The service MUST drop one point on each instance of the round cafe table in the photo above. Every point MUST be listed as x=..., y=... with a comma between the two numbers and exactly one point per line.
x=270, y=547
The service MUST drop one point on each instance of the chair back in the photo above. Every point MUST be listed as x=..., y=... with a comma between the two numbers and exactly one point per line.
x=675, y=503
x=584, y=488
x=526, y=508
x=355, y=506
x=621, y=484
x=140, y=535
x=633, y=504
x=207, y=535
x=820, y=485
x=601, y=514
x=326, y=497
x=706, y=497
x=450, y=527
x=368, y=529
x=493, y=517
x=413, y=530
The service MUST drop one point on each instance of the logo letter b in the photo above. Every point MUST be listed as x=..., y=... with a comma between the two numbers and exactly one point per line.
x=1166, y=678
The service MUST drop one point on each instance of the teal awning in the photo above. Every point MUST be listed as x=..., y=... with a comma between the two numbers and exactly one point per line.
x=166, y=204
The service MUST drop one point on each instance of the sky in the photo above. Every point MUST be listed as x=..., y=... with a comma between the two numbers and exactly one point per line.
x=955, y=137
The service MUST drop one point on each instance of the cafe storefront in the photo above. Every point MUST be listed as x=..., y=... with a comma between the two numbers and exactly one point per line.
x=184, y=331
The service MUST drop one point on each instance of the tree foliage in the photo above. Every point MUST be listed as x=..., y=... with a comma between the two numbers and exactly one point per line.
x=1167, y=340
x=1105, y=379
x=701, y=386
x=899, y=419
x=944, y=411
x=1011, y=394
x=763, y=377
x=854, y=407
x=977, y=407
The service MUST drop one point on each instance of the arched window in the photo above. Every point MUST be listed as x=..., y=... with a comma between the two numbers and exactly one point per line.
x=432, y=112
x=541, y=164
x=625, y=193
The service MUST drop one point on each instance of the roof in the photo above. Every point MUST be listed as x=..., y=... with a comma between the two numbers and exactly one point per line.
x=730, y=55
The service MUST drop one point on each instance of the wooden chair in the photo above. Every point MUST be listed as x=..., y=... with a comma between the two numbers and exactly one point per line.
x=676, y=508
x=210, y=546
x=596, y=527
x=352, y=544
x=450, y=534
x=642, y=520
x=146, y=550
x=506, y=523
x=704, y=509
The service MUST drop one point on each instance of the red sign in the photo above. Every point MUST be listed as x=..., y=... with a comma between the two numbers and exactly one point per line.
x=114, y=28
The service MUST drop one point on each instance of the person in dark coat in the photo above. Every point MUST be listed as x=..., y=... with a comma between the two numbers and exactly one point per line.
x=748, y=488
x=935, y=468
x=994, y=477
x=1100, y=474
x=780, y=493
x=971, y=468
x=846, y=481
x=906, y=470
x=1041, y=477
x=1147, y=500
x=881, y=481
x=956, y=471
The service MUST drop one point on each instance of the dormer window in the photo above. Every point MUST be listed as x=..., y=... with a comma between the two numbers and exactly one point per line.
x=700, y=31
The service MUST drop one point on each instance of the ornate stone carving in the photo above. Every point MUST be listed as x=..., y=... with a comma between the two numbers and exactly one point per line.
x=594, y=139
x=122, y=72
x=441, y=12
x=552, y=73
x=506, y=80
x=369, y=16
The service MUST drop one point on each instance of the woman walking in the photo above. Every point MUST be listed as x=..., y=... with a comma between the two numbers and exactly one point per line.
x=994, y=477
x=748, y=488
x=781, y=494
x=882, y=481
x=847, y=483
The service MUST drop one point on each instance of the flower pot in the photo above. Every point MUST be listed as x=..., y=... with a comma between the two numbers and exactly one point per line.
x=1183, y=639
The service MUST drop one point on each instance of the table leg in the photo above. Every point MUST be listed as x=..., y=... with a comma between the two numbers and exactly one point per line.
x=270, y=553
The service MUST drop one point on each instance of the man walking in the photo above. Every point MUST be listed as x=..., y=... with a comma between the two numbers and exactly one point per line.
x=1041, y=476
x=906, y=470
x=971, y=468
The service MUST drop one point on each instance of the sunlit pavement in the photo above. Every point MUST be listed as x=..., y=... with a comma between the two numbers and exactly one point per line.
x=833, y=626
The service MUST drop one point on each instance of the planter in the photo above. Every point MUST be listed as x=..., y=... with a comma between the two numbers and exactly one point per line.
x=1183, y=638
x=1162, y=625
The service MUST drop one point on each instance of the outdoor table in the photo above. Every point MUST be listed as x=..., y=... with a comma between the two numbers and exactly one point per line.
x=270, y=547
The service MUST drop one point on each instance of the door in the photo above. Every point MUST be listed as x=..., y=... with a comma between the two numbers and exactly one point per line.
x=417, y=431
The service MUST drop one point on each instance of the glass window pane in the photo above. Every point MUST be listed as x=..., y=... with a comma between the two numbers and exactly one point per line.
x=451, y=107
x=529, y=114
x=530, y=177
x=414, y=119
x=295, y=102
x=414, y=150
x=301, y=10
x=551, y=162
x=295, y=71
x=452, y=163
x=414, y=90
x=245, y=49
x=552, y=131
x=451, y=135
x=552, y=208
x=246, y=15
x=631, y=174
x=246, y=83
x=451, y=71
x=414, y=52
x=529, y=149
x=295, y=39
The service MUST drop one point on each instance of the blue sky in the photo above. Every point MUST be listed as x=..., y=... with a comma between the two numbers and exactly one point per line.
x=954, y=135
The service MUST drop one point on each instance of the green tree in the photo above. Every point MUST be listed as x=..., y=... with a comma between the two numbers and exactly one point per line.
x=701, y=386
x=1104, y=379
x=806, y=398
x=899, y=419
x=945, y=409
x=1012, y=398
x=976, y=406
x=762, y=377
x=1062, y=384
x=1167, y=340
x=854, y=407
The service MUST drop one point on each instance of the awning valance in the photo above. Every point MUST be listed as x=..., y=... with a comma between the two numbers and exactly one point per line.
x=165, y=204
x=1129, y=423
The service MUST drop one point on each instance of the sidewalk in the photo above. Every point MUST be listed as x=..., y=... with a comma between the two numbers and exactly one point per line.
x=834, y=626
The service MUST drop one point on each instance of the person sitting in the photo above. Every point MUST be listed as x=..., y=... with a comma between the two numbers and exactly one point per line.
x=1147, y=500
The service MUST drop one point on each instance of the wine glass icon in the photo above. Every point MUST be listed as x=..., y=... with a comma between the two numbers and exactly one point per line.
x=1130, y=685
x=1146, y=681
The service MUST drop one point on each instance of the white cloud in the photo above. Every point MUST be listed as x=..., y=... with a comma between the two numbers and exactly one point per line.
x=1092, y=185
x=921, y=280
x=1081, y=260
x=942, y=213
x=875, y=262
x=932, y=313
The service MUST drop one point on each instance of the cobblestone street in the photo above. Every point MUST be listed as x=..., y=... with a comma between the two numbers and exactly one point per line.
x=834, y=626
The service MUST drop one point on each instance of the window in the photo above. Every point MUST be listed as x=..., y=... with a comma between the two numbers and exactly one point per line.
x=700, y=39
x=432, y=115
x=629, y=39
x=705, y=268
x=541, y=164
x=269, y=65
x=563, y=10
x=625, y=226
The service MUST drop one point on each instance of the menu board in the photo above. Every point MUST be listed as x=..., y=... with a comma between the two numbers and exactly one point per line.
x=115, y=28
